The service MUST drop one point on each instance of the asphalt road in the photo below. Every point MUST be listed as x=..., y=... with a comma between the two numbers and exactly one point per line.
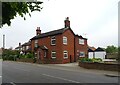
x=14, y=72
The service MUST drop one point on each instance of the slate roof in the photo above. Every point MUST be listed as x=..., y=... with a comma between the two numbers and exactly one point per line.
x=99, y=49
x=51, y=33
x=26, y=44
x=90, y=50
x=80, y=36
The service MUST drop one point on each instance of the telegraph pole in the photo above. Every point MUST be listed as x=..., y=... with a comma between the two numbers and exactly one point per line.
x=3, y=41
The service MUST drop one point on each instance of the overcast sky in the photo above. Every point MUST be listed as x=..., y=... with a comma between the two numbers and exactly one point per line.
x=96, y=20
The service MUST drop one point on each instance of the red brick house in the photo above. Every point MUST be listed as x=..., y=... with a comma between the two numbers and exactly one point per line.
x=24, y=48
x=81, y=47
x=58, y=46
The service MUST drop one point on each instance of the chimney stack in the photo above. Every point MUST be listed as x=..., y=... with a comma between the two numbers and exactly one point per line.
x=38, y=31
x=19, y=46
x=67, y=23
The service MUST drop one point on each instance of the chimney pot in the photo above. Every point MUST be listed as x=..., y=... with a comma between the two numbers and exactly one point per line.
x=67, y=22
x=38, y=31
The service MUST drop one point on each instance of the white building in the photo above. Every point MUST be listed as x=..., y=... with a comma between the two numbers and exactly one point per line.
x=98, y=53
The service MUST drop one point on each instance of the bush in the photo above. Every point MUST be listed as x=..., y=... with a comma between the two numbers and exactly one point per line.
x=28, y=55
x=85, y=60
x=96, y=59
x=90, y=60
x=9, y=54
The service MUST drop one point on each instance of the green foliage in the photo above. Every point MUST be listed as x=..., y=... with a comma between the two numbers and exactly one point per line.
x=96, y=59
x=85, y=60
x=11, y=9
x=10, y=54
x=90, y=60
x=28, y=55
x=111, y=49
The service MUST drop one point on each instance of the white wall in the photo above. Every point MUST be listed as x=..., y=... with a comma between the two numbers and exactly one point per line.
x=100, y=54
x=90, y=55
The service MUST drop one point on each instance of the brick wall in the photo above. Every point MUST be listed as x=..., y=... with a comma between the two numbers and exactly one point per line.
x=80, y=48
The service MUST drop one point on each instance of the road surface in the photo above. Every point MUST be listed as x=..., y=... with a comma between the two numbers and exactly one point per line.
x=18, y=72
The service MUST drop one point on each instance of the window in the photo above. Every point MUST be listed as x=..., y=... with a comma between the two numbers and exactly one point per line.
x=45, y=54
x=82, y=54
x=65, y=54
x=65, y=40
x=23, y=48
x=81, y=41
x=36, y=43
x=53, y=40
x=53, y=54
x=27, y=47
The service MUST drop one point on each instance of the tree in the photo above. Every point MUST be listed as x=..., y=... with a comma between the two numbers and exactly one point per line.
x=11, y=9
x=111, y=49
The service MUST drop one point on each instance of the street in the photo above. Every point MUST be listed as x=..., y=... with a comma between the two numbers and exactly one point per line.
x=18, y=72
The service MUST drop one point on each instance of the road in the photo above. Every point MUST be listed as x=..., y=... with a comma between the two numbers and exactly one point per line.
x=18, y=72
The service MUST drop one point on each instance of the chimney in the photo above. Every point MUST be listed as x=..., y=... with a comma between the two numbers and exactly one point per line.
x=19, y=46
x=67, y=23
x=38, y=31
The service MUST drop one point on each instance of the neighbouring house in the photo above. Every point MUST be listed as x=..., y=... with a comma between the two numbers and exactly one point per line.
x=26, y=47
x=97, y=53
x=58, y=46
x=19, y=48
x=100, y=53
x=91, y=53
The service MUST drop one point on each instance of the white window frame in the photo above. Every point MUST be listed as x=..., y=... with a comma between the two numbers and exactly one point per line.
x=52, y=53
x=64, y=40
x=65, y=52
x=23, y=48
x=27, y=47
x=81, y=41
x=52, y=40
x=83, y=53
x=36, y=43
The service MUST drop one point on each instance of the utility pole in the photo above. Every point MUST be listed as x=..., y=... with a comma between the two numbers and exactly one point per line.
x=3, y=41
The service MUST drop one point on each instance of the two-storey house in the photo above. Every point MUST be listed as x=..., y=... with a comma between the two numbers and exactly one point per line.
x=58, y=46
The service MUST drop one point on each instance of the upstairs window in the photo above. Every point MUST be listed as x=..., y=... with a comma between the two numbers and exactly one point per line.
x=53, y=54
x=65, y=54
x=64, y=40
x=53, y=40
x=36, y=43
x=81, y=41
x=82, y=54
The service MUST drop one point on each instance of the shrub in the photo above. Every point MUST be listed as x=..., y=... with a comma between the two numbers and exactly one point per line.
x=28, y=55
x=90, y=60
x=85, y=60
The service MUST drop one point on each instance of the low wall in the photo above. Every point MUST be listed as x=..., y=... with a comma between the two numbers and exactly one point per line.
x=100, y=66
x=25, y=60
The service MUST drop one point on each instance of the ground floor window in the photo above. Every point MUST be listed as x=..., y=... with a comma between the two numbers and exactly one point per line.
x=53, y=54
x=82, y=54
x=65, y=54
x=45, y=54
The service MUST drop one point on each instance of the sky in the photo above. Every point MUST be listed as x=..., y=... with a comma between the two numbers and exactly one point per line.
x=96, y=20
